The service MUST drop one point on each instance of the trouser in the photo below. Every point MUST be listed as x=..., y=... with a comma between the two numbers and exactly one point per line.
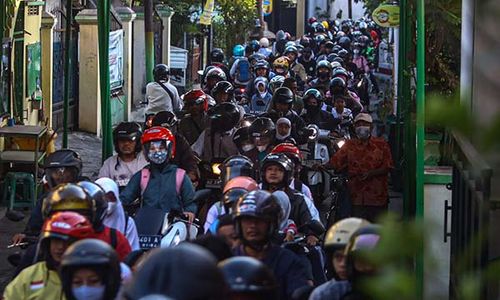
x=371, y=213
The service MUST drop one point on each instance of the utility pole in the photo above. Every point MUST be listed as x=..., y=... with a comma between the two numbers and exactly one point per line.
x=67, y=70
x=301, y=10
x=349, y=8
x=260, y=15
x=103, y=26
x=150, y=39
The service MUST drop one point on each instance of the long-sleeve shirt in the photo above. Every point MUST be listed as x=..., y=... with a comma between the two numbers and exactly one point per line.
x=160, y=100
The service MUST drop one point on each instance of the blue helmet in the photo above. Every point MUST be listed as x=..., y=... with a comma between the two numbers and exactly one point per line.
x=238, y=50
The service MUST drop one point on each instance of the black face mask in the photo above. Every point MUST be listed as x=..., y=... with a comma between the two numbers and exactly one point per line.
x=323, y=75
x=312, y=109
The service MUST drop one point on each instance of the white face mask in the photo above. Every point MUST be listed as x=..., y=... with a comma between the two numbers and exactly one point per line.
x=363, y=132
x=262, y=148
x=247, y=147
x=86, y=292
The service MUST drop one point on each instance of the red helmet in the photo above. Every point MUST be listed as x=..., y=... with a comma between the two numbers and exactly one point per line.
x=158, y=133
x=241, y=182
x=196, y=97
x=67, y=225
x=289, y=150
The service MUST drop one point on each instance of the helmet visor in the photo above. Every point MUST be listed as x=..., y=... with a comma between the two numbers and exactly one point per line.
x=56, y=176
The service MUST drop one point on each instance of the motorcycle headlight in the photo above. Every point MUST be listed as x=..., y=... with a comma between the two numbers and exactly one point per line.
x=360, y=83
x=340, y=143
x=215, y=169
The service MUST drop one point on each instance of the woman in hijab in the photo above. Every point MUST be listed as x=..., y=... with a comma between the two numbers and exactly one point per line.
x=287, y=227
x=115, y=216
x=283, y=131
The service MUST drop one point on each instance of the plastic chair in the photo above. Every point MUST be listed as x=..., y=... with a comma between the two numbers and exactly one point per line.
x=12, y=180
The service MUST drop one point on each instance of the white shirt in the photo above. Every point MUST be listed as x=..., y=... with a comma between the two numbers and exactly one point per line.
x=159, y=100
x=121, y=171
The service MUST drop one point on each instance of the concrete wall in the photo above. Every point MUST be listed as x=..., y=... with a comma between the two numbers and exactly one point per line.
x=138, y=61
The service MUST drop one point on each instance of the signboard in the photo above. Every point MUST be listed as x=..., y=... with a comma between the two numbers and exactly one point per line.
x=206, y=16
x=267, y=7
x=116, y=59
x=386, y=15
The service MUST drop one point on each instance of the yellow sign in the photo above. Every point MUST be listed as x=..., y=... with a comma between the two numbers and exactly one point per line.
x=206, y=16
x=386, y=15
x=267, y=7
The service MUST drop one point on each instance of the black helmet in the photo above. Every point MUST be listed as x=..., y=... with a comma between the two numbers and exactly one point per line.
x=313, y=93
x=261, y=64
x=331, y=57
x=236, y=165
x=248, y=276
x=225, y=87
x=281, y=160
x=242, y=138
x=262, y=127
x=323, y=64
x=340, y=72
x=96, y=255
x=305, y=41
x=254, y=44
x=337, y=86
x=130, y=131
x=161, y=72
x=64, y=160
x=291, y=49
x=217, y=73
x=165, y=119
x=337, y=48
x=365, y=239
x=258, y=204
x=187, y=272
x=345, y=42
x=283, y=95
x=97, y=194
x=69, y=197
x=217, y=55
x=224, y=116
x=343, y=54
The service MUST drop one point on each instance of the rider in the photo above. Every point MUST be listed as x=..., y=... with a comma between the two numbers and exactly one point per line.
x=41, y=281
x=256, y=217
x=217, y=140
x=161, y=184
x=213, y=76
x=193, y=123
x=243, y=140
x=309, y=62
x=263, y=133
x=248, y=278
x=217, y=60
x=129, y=158
x=260, y=100
x=61, y=166
x=261, y=69
x=323, y=75
x=292, y=84
x=240, y=70
x=161, y=94
x=292, y=53
x=338, y=88
x=90, y=269
x=185, y=158
x=314, y=114
x=186, y=271
x=223, y=91
x=115, y=216
x=281, y=66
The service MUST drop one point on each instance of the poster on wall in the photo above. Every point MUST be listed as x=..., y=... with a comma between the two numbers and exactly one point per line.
x=116, y=59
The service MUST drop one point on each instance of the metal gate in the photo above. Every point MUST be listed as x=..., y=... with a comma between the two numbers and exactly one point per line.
x=58, y=75
x=470, y=219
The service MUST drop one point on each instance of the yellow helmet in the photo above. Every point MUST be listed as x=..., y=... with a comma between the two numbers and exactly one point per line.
x=325, y=24
x=281, y=62
x=339, y=234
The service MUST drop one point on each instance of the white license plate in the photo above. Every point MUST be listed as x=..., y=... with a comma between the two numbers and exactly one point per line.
x=149, y=241
x=213, y=183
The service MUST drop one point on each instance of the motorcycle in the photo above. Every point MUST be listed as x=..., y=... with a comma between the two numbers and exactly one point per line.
x=210, y=186
x=158, y=229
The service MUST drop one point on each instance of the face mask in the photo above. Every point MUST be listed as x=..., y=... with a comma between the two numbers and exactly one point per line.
x=363, y=132
x=262, y=148
x=85, y=292
x=356, y=51
x=158, y=157
x=247, y=147
x=323, y=75
x=312, y=109
x=111, y=207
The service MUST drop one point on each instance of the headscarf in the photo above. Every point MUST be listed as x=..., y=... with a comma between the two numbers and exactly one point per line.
x=285, y=121
x=285, y=205
x=115, y=215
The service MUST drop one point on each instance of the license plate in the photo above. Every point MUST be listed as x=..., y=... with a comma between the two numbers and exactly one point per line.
x=311, y=162
x=213, y=184
x=149, y=241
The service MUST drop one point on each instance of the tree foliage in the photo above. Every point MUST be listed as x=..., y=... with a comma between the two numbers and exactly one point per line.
x=442, y=38
x=236, y=20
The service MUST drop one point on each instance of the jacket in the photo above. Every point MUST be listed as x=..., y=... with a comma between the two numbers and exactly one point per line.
x=184, y=156
x=288, y=269
x=161, y=190
x=222, y=146
x=191, y=127
x=299, y=212
x=322, y=119
x=35, y=282
x=158, y=99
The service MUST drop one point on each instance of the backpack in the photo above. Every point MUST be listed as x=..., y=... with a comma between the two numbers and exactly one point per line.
x=146, y=174
x=243, y=70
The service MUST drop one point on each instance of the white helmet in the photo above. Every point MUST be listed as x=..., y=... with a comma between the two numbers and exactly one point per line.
x=264, y=42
